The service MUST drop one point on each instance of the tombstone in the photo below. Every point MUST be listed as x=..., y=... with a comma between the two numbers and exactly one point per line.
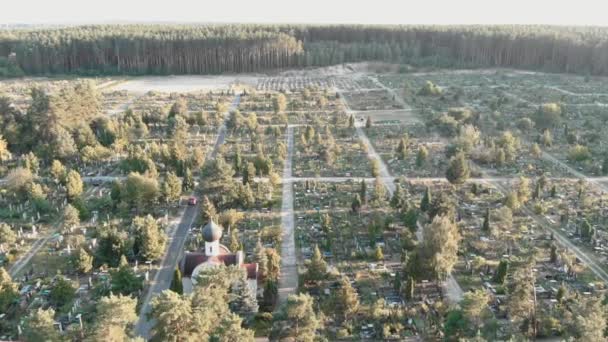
x=90, y=282
x=38, y=215
x=135, y=267
x=147, y=276
x=69, y=250
x=24, y=215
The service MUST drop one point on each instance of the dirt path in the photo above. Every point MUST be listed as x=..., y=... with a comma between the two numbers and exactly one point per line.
x=288, y=281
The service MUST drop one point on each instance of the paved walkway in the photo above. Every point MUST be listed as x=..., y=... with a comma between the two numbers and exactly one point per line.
x=288, y=281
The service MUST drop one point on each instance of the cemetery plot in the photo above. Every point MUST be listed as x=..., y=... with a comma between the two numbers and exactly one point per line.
x=370, y=100
x=362, y=247
x=329, y=153
x=418, y=155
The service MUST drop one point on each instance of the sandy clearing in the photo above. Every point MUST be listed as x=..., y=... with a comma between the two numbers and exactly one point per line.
x=184, y=84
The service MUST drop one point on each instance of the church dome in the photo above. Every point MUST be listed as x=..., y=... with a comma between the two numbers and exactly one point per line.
x=212, y=232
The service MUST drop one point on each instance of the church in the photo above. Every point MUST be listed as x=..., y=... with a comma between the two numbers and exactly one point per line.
x=215, y=254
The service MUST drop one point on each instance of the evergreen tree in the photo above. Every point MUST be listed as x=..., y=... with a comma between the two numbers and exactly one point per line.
x=421, y=156
x=244, y=302
x=401, y=150
x=149, y=240
x=296, y=319
x=501, y=272
x=351, y=121
x=208, y=212
x=425, y=203
x=356, y=204
x=317, y=269
x=114, y=317
x=261, y=259
x=363, y=191
x=378, y=254
x=83, y=261
x=409, y=288
x=39, y=325
x=346, y=300
x=458, y=170
x=486, y=221
x=8, y=290
x=176, y=282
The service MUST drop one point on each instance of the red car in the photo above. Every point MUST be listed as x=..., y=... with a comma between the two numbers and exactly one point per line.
x=192, y=201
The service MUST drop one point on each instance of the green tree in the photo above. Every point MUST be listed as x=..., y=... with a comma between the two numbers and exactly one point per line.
x=149, y=239
x=356, y=204
x=501, y=272
x=317, y=269
x=176, y=283
x=422, y=156
x=71, y=217
x=521, y=304
x=279, y=103
x=261, y=259
x=296, y=319
x=486, y=221
x=402, y=150
x=7, y=235
x=58, y=171
x=8, y=290
x=474, y=304
x=548, y=115
x=346, y=300
x=124, y=280
x=83, y=261
x=62, y=293
x=114, y=317
x=440, y=246
x=39, y=325
x=74, y=185
x=375, y=168
x=174, y=317
x=208, y=212
x=363, y=191
x=188, y=180
x=458, y=170
x=273, y=267
x=378, y=254
x=379, y=195
x=172, y=187
x=425, y=203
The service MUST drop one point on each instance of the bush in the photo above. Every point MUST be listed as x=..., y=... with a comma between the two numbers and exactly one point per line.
x=579, y=153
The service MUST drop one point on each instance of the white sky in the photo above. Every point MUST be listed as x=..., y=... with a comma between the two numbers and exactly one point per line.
x=557, y=12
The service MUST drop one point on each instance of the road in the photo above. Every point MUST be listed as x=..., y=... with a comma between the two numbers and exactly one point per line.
x=288, y=281
x=162, y=279
x=25, y=259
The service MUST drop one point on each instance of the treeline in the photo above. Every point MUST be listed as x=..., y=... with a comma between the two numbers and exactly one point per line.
x=203, y=49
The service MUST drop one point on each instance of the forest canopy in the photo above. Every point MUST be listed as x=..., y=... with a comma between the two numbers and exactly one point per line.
x=212, y=49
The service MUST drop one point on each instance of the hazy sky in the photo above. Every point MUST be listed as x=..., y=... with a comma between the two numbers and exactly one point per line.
x=560, y=12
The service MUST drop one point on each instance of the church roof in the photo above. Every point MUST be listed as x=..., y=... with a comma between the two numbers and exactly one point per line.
x=212, y=231
x=192, y=260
